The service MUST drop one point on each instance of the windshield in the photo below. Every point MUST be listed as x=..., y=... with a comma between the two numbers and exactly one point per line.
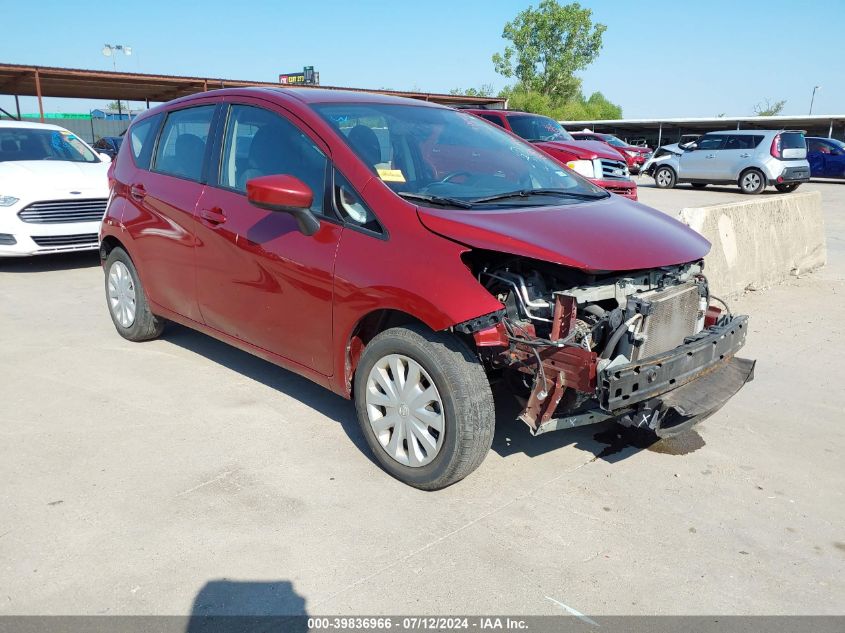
x=20, y=143
x=616, y=142
x=442, y=157
x=533, y=127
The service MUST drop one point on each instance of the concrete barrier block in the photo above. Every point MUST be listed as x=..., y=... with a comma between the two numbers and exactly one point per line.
x=761, y=241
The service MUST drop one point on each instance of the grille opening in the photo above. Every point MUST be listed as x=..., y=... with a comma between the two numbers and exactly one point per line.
x=64, y=211
x=65, y=240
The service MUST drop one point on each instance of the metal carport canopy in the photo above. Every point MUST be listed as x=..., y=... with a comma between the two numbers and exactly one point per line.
x=47, y=81
x=820, y=122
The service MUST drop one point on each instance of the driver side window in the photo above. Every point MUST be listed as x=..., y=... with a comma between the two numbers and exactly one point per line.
x=710, y=142
x=261, y=143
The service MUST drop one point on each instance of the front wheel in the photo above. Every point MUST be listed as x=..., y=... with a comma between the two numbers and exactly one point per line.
x=752, y=181
x=664, y=178
x=787, y=188
x=424, y=405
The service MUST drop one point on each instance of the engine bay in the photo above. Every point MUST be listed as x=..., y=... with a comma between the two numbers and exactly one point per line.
x=562, y=329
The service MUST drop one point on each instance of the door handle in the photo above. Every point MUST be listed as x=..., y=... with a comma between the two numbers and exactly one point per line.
x=745, y=155
x=137, y=192
x=710, y=156
x=213, y=216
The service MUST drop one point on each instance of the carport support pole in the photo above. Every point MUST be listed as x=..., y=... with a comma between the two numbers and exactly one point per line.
x=38, y=94
x=829, y=130
x=660, y=134
x=18, y=107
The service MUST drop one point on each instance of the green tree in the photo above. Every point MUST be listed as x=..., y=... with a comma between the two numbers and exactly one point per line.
x=768, y=108
x=600, y=107
x=485, y=90
x=112, y=105
x=549, y=45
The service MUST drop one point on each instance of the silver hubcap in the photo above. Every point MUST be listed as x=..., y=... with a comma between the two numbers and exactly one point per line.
x=122, y=294
x=663, y=177
x=405, y=410
x=751, y=181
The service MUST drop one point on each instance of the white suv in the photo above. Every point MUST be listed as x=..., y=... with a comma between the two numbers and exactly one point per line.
x=53, y=190
x=751, y=159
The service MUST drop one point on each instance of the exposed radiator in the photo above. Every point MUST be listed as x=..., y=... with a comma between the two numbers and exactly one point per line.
x=670, y=315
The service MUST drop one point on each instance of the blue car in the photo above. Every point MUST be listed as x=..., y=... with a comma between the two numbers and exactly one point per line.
x=826, y=157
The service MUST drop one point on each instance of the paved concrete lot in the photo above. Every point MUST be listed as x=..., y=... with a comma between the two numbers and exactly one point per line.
x=183, y=476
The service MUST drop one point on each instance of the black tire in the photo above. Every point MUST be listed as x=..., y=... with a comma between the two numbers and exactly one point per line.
x=665, y=177
x=787, y=188
x=698, y=185
x=146, y=325
x=468, y=411
x=752, y=181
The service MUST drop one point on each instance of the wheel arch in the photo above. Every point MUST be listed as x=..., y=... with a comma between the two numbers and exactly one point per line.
x=367, y=328
x=756, y=168
x=108, y=244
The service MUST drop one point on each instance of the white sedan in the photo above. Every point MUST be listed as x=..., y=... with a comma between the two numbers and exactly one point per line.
x=53, y=190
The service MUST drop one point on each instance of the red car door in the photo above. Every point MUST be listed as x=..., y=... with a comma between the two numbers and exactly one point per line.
x=160, y=213
x=258, y=278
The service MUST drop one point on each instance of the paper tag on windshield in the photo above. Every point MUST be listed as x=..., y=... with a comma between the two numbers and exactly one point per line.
x=391, y=175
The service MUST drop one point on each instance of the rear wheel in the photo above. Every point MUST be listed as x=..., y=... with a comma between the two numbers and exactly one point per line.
x=127, y=302
x=787, y=188
x=698, y=185
x=664, y=177
x=424, y=405
x=752, y=181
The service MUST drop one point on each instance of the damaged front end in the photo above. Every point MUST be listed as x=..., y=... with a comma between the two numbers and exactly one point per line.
x=644, y=347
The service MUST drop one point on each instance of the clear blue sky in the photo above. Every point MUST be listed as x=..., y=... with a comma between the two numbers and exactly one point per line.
x=659, y=59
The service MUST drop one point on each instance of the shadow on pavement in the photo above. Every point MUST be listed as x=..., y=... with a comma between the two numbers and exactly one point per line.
x=513, y=436
x=318, y=398
x=48, y=263
x=228, y=605
x=607, y=441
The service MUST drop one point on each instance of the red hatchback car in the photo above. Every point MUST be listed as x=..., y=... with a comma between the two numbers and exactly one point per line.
x=600, y=164
x=635, y=155
x=408, y=255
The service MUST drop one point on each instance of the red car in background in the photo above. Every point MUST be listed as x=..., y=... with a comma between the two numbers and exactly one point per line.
x=596, y=161
x=635, y=155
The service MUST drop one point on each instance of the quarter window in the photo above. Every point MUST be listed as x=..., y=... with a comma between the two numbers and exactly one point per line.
x=141, y=140
x=351, y=207
x=261, y=143
x=743, y=141
x=181, y=149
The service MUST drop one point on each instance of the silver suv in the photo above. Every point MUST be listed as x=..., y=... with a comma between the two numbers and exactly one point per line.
x=751, y=159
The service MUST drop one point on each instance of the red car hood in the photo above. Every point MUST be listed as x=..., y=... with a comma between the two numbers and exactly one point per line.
x=587, y=150
x=638, y=149
x=610, y=234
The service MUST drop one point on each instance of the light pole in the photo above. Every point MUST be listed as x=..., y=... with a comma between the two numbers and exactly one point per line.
x=813, y=98
x=111, y=50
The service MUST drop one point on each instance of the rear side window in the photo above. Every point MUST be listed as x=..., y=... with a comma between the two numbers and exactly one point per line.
x=141, y=140
x=181, y=147
x=743, y=141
